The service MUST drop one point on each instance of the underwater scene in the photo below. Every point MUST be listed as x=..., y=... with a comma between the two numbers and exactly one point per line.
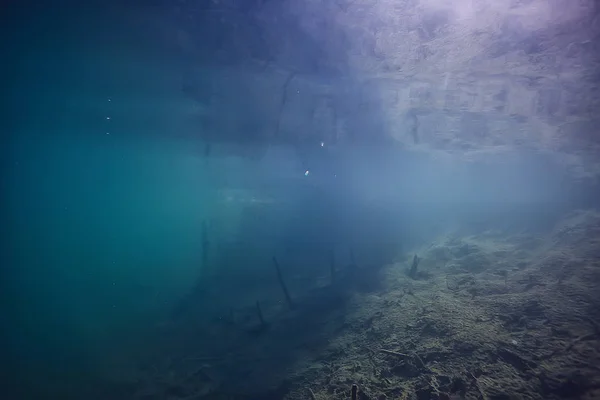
x=300, y=200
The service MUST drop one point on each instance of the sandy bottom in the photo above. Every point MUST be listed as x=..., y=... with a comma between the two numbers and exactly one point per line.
x=491, y=316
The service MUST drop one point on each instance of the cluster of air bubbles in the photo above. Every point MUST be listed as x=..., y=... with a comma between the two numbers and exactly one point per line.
x=307, y=172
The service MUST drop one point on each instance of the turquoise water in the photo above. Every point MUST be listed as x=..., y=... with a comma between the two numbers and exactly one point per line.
x=127, y=239
x=105, y=232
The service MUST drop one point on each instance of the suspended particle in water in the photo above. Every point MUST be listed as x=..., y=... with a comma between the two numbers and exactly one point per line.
x=306, y=172
x=322, y=144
